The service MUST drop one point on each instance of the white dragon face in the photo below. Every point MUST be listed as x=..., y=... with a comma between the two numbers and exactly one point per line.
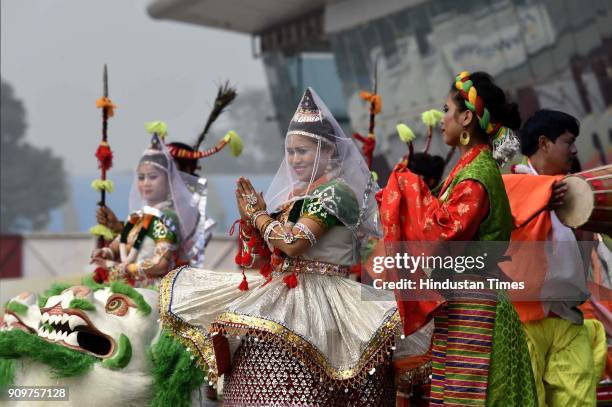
x=116, y=324
x=21, y=312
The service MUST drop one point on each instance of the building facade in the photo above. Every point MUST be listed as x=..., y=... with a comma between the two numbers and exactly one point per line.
x=545, y=53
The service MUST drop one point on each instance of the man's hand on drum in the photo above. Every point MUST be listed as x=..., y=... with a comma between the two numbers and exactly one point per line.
x=558, y=195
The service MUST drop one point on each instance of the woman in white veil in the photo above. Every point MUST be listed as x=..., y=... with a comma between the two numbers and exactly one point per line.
x=161, y=223
x=304, y=332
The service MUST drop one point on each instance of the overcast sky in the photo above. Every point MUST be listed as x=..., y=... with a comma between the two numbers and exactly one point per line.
x=53, y=53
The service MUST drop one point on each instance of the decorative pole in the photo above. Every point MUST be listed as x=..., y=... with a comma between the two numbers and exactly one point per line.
x=105, y=162
x=407, y=136
x=430, y=118
x=369, y=142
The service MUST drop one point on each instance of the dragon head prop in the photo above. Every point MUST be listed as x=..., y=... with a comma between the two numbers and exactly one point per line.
x=103, y=341
x=113, y=323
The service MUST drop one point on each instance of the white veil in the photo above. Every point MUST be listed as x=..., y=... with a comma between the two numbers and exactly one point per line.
x=180, y=200
x=357, y=209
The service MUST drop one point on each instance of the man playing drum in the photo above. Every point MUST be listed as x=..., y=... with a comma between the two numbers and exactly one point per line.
x=565, y=366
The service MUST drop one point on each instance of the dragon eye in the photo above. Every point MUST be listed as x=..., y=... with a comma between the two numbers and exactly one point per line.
x=118, y=305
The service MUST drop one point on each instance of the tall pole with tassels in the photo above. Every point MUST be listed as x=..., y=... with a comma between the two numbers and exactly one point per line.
x=105, y=161
x=375, y=106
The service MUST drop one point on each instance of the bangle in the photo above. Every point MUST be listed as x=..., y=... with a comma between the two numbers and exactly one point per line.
x=264, y=226
x=307, y=232
x=257, y=215
x=269, y=227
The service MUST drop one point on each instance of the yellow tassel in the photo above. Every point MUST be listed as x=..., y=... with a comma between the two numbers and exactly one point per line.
x=235, y=142
x=405, y=133
x=101, y=230
x=103, y=185
x=374, y=176
x=431, y=117
x=158, y=127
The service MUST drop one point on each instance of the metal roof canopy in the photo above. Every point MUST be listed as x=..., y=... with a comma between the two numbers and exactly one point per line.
x=246, y=16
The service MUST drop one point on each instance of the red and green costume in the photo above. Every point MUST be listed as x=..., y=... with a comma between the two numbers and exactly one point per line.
x=479, y=351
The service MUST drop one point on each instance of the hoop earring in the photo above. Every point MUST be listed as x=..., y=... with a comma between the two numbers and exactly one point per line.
x=464, y=138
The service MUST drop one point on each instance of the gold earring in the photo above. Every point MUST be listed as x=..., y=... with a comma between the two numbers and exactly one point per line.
x=464, y=138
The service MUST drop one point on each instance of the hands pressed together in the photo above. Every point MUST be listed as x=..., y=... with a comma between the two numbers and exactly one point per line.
x=248, y=200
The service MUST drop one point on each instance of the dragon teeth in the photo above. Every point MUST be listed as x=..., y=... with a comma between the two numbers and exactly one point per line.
x=45, y=317
x=65, y=318
x=74, y=321
x=72, y=339
x=54, y=319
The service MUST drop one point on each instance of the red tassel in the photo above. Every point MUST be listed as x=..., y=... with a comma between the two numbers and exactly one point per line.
x=291, y=280
x=251, y=243
x=244, y=285
x=100, y=275
x=238, y=258
x=264, y=252
x=104, y=156
x=246, y=258
x=356, y=269
x=265, y=270
x=276, y=259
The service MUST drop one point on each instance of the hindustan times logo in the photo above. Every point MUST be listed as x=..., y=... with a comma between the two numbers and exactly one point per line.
x=404, y=261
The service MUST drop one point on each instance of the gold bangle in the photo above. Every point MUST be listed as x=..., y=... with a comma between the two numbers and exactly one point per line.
x=265, y=225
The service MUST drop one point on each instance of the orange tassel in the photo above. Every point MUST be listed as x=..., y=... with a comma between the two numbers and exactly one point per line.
x=105, y=102
x=374, y=99
x=244, y=285
x=291, y=280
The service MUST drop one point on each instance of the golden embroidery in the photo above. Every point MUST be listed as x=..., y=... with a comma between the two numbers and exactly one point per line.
x=427, y=200
x=393, y=196
x=428, y=224
x=308, y=354
x=457, y=226
x=394, y=229
x=387, y=216
x=462, y=208
x=195, y=340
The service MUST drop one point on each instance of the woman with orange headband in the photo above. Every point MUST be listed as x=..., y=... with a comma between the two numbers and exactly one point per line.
x=479, y=351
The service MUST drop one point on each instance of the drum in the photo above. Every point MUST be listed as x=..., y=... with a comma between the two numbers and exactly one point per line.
x=588, y=201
